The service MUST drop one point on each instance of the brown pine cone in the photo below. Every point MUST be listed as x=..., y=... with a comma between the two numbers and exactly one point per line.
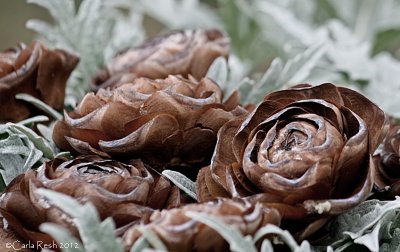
x=189, y=52
x=387, y=163
x=181, y=233
x=124, y=192
x=170, y=122
x=305, y=151
x=34, y=70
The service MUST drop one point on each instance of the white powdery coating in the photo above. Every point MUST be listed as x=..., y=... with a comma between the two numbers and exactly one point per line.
x=323, y=207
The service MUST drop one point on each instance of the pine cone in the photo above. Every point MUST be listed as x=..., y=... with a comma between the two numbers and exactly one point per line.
x=34, y=70
x=305, y=151
x=387, y=175
x=124, y=192
x=181, y=233
x=185, y=53
x=167, y=123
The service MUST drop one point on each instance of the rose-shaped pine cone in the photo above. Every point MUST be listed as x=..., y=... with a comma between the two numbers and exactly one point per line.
x=387, y=163
x=181, y=233
x=305, y=151
x=121, y=191
x=185, y=53
x=170, y=122
x=34, y=70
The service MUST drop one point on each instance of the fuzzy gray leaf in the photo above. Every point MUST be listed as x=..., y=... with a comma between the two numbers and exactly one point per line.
x=284, y=235
x=140, y=245
x=187, y=14
x=96, y=236
x=218, y=72
x=35, y=119
x=62, y=235
x=39, y=142
x=20, y=149
x=153, y=239
x=40, y=105
x=182, y=182
x=366, y=224
x=11, y=166
x=60, y=10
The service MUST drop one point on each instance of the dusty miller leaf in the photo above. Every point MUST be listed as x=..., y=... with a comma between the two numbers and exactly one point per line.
x=96, y=236
x=76, y=30
x=348, y=54
x=229, y=74
x=284, y=235
x=182, y=182
x=366, y=225
x=39, y=142
x=152, y=239
x=272, y=16
x=393, y=245
x=187, y=14
x=218, y=72
x=246, y=40
x=266, y=246
x=20, y=149
x=62, y=235
x=140, y=244
x=281, y=75
x=40, y=105
x=386, y=83
x=368, y=17
x=35, y=119
x=366, y=216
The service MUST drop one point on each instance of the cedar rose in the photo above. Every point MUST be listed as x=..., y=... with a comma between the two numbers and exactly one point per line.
x=125, y=192
x=170, y=122
x=305, y=151
x=34, y=70
x=181, y=233
x=387, y=175
x=185, y=53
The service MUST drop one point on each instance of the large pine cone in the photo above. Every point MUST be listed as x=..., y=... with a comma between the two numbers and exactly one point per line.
x=185, y=53
x=305, y=151
x=170, y=122
x=34, y=70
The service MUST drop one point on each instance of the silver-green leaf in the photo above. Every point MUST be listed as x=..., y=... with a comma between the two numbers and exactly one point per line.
x=182, y=182
x=96, y=236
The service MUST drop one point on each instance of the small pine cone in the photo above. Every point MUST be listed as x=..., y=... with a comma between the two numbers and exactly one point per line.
x=124, y=192
x=181, y=233
x=170, y=122
x=189, y=52
x=35, y=70
x=387, y=164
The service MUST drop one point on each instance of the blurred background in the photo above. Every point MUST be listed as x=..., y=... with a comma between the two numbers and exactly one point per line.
x=275, y=43
x=13, y=16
